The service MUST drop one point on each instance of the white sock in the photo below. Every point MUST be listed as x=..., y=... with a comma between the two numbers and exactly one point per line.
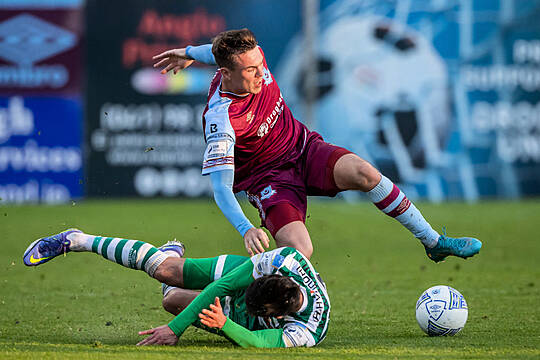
x=393, y=202
x=133, y=254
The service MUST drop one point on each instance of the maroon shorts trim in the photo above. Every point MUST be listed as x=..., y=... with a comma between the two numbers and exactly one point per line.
x=281, y=214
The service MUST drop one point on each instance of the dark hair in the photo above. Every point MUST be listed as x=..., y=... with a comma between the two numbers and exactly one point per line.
x=272, y=295
x=230, y=43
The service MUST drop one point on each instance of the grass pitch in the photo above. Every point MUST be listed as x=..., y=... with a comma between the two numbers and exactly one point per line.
x=85, y=307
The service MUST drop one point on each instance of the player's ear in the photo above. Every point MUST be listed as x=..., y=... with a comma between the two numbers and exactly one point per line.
x=225, y=73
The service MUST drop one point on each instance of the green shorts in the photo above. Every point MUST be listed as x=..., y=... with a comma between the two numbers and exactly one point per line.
x=199, y=273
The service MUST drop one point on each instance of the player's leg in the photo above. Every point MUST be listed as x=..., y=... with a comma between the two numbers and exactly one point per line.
x=286, y=225
x=175, y=300
x=197, y=274
x=353, y=173
x=132, y=254
x=282, y=207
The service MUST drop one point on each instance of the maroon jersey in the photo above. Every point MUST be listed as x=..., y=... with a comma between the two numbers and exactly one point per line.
x=250, y=134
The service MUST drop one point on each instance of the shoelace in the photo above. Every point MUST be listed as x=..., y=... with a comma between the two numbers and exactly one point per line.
x=51, y=246
x=452, y=242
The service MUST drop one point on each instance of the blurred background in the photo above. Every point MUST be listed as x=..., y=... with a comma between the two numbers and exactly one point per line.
x=442, y=96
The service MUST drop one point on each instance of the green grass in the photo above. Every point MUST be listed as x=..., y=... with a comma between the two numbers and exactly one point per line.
x=84, y=307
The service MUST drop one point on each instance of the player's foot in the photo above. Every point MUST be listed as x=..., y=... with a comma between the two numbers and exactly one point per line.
x=47, y=248
x=463, y=247
x=174, y=247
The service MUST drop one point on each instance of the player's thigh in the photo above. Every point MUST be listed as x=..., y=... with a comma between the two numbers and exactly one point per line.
x=296, y=235
x=280, y=203
x=351, y=172
x=318, y=171
x=199, y=273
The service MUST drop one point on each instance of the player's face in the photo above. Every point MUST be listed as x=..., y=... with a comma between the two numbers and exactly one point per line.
x=247, y=75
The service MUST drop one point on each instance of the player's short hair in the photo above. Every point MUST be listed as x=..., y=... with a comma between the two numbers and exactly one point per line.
x=230, y=43
x=272, y=295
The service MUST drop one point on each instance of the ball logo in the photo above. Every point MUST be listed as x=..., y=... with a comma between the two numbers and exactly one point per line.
x=457, y=301
x=435, y=308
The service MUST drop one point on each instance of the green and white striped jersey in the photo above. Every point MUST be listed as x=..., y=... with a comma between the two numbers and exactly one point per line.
x=309, y=325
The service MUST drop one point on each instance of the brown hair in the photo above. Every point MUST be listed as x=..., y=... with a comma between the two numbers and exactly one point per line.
x=272, y=295
x=231, y=43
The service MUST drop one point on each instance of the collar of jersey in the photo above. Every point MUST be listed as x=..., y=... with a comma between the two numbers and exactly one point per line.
x=230, y=93
x=304, y=301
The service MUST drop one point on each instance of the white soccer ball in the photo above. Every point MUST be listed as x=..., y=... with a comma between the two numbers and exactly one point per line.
x=441, y=310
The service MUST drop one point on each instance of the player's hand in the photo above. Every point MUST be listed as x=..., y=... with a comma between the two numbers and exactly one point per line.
x=213, y=318
x=162, y=335
x=252, y=241
x=175, y=60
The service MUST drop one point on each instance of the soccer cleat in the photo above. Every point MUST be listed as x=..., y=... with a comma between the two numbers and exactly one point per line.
x=175, y=246
x=463, y=247
x=47, y=248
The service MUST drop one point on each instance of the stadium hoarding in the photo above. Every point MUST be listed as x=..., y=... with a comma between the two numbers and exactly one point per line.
x=446, y=108
x=40, y=150
x=41, y=51
x=41, y=74
x=144, y=129
x=443, y=98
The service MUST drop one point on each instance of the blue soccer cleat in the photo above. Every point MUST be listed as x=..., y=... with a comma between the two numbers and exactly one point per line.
x=175, y=246
x=47, y=248
x=463, y=247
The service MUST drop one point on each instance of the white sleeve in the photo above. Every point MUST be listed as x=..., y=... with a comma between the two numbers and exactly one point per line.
x=220, y=138
x=267, y=262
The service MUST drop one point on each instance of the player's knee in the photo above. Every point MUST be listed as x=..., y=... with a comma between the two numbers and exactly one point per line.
x=306, y=249
x=366, y=177
x=165, y=274
x=170, y=305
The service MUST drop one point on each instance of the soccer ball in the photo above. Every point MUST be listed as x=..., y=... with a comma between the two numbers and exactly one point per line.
x=441, y=310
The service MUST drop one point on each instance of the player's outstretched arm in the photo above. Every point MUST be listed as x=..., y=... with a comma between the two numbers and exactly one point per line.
x=237, y=279
x=179, y=59
x=214, y=318
x=174, y=59
x=222, y=184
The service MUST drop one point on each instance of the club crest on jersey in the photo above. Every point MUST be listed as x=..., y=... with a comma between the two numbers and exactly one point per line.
x=267, y=192
x=267, y=77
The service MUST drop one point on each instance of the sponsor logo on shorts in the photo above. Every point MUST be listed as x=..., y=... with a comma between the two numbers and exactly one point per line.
x=267, y=192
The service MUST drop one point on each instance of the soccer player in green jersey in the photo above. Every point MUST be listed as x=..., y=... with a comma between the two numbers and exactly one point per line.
x=273, y=299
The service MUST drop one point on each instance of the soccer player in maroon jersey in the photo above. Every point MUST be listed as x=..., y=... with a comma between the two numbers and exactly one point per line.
x=254, y=144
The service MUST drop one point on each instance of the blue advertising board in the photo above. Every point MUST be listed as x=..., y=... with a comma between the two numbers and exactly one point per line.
x=442, y=97
x=40, y=150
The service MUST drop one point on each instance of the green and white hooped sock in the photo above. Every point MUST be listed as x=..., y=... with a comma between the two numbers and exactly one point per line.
x=133, y=254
